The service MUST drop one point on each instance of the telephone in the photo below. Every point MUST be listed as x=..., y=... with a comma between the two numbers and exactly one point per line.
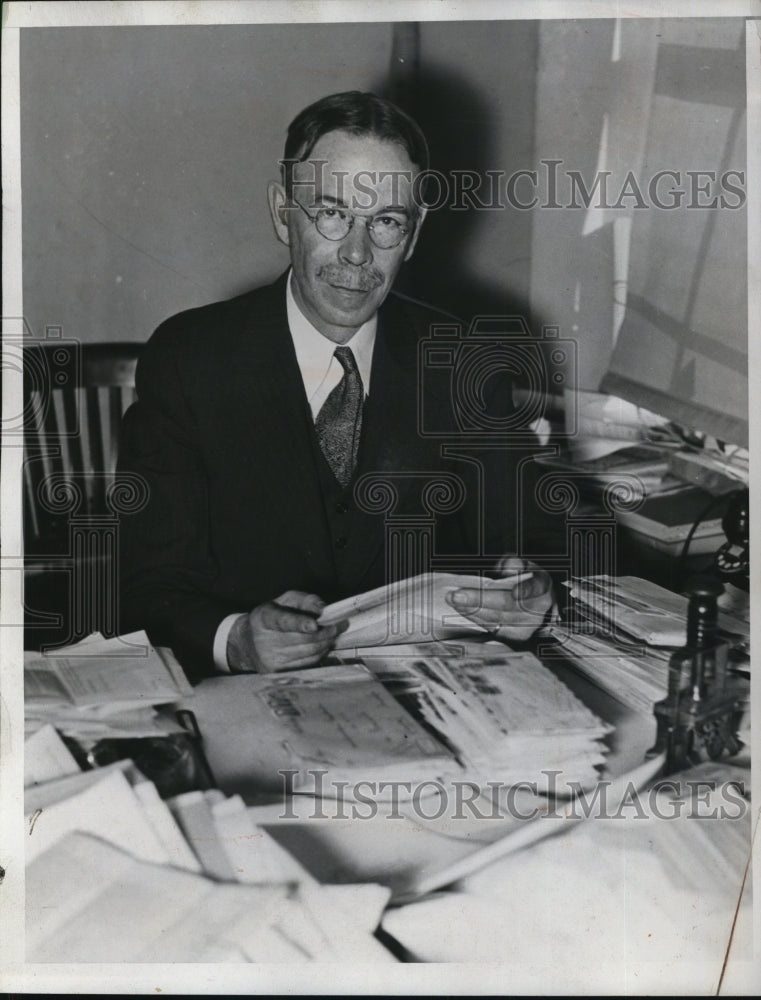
x=733, y=558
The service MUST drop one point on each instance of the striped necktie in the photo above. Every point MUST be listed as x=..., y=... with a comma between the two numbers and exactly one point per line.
x=339, y=421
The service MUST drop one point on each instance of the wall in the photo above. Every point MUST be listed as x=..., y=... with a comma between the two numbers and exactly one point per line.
x=145, y=157
x=146, y=151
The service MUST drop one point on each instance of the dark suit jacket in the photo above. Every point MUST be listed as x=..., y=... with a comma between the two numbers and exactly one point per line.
x=223, y=435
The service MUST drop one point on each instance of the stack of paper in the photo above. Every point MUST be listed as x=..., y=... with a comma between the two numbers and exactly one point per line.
x=628, y=631
x=102, y=688
x=115, y=803
x=398, y=716
x=113, y=907
x=115, y=874
x=635, y=675
x=503, y=714
x=646, y=611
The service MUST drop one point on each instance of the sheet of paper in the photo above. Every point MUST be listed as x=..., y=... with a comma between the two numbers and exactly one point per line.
x=193, y=813
x=47, y=757
x=45, y=795
x=160, y=818
x=348, y=915
x=108, y=809
x=412, y=610
x=255, y=858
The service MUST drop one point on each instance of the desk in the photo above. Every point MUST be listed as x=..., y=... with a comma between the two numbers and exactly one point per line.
x=639, y=890
x=591, y=903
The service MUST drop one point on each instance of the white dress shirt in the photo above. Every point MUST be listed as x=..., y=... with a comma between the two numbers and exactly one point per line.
x=320, y=370
x=321, y=373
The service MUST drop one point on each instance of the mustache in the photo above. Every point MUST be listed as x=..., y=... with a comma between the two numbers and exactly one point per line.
x=356, y=280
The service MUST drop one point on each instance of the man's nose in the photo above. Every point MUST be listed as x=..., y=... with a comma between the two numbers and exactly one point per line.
x=356, y=247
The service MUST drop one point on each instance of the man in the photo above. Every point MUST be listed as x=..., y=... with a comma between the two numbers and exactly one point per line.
x=254, y=423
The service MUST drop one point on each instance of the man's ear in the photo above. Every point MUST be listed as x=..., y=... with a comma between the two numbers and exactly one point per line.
x=278, y=211
x=418, y=226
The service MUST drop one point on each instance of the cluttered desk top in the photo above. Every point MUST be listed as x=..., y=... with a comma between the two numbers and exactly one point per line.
x=454, y=801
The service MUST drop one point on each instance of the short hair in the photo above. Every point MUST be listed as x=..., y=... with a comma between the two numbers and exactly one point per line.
x=359, y=114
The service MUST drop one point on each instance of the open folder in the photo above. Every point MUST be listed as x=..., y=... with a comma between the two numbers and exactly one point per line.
x=411, y=610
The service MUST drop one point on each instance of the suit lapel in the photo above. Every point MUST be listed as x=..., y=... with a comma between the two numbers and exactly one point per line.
x=280, y=434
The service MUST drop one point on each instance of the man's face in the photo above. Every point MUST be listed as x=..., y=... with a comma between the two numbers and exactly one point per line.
x=340, y=284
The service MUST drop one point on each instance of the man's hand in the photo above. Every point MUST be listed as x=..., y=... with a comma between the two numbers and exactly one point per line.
x=281, y=634
x=512, y=613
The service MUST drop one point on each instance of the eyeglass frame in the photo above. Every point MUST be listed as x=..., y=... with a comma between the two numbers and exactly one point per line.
x=352, y=219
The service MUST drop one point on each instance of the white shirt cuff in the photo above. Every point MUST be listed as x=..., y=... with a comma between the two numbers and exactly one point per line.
x=220, y=643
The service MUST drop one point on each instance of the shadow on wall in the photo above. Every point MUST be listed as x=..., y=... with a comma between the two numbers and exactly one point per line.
x=458, y=121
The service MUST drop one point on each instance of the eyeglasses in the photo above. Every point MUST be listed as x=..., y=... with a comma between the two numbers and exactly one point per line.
x=385, y=231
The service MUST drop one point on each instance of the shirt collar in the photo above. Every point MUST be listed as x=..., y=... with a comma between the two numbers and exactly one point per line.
x=314, y=352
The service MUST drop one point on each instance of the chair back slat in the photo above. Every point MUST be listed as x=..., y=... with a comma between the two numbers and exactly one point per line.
x=34, y=469
x=80, y=401
x=115, y=414
x=97, y=449
x=52, y=432
x=65, y=429
x=43, y=457
x=31, y=515
x=66, y=400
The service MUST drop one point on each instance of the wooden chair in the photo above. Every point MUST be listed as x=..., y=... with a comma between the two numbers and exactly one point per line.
x=74, y=398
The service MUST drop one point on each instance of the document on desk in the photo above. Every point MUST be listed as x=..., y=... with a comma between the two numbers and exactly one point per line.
x=103, y=688
x=89, y=900
x=636, y=676
x=336, y=719
x=411, y=610
x=502, y=713
x=47, y=757
x=100, y=671
x=646, y=611
x=75, y=919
